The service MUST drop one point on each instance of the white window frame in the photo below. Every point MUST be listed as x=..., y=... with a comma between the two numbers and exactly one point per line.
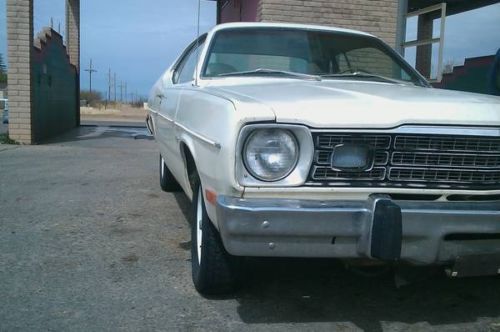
x=415, y=43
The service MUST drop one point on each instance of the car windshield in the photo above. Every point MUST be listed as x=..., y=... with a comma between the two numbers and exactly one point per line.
x=329, y=55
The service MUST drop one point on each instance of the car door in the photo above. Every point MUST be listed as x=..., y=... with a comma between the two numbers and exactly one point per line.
x=167, y=98
x=181, y=77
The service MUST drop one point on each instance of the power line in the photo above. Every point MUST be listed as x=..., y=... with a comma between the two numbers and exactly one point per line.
x=114, y=85
x=110, y=82
x=90, y=70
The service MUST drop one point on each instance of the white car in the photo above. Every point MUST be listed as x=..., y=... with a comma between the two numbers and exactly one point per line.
x=309, y=141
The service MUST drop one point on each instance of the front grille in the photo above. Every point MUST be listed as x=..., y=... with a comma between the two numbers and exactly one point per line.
x=445, y=160
x=446, y=143
x=326, y=173
x=332, y=140
x=443, y=175
x=430, y=161
x=323, y=157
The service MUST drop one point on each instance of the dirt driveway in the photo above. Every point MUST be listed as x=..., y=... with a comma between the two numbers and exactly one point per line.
x=88, y=242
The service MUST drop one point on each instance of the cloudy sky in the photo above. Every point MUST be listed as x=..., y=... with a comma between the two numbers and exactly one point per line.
x=139, y=39
x=136, y=39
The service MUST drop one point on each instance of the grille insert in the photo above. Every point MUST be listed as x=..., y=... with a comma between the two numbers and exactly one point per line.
x=431, y=161
x=443, y=175
x=331, y=140
x=447, y=143
x=326, y=173
x=445, y=159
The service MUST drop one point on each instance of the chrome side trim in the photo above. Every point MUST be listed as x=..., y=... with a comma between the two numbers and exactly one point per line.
x=165, y=117
x=152, y=110
x=189, y=131
x=199, y=136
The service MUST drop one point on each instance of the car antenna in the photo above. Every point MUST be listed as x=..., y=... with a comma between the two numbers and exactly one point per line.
x=197, y=45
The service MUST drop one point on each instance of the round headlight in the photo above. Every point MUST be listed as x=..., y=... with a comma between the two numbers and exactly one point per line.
x=270, y=154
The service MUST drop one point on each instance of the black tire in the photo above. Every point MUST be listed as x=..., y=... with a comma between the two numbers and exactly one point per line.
x=216, y=272
x=167, y=181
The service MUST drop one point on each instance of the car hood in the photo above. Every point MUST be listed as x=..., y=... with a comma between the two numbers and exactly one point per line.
x=351, y=104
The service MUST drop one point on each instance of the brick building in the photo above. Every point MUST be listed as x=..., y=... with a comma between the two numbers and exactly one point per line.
x=376, y=16
x=383, y=18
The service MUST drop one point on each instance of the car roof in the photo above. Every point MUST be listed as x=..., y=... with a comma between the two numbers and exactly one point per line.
x=225, y=26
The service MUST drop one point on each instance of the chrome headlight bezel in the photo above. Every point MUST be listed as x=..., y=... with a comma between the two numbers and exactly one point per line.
x=296, y=176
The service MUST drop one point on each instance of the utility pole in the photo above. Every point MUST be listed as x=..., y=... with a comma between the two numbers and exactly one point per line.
x=109, y=85
x=90, y=70
x=121, y=90
x=114, y=85
x=126, y=99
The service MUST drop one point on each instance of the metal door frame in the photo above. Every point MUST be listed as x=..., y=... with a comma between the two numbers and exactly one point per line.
x=439, y=7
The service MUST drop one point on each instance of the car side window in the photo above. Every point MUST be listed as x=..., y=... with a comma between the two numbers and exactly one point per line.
x=185, y=71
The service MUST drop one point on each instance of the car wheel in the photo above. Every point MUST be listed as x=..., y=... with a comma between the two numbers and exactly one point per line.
x=214, y=270
x=167, y=180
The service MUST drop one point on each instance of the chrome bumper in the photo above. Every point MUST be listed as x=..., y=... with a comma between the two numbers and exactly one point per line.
x=429, y=232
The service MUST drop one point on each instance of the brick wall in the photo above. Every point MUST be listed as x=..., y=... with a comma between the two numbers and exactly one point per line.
x=73, y=31
x=239, y=11
x=43, y=85
x=20, y=45
x=378, y=17
x=73, y=45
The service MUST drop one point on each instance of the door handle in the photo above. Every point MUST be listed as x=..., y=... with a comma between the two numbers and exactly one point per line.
x=160, y=96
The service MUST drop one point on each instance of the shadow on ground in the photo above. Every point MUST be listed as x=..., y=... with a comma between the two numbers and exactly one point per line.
x=95, y=132
x=291, y=290
x=322, y=290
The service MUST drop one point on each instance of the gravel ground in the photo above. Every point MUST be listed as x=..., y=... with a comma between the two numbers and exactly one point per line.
x=88, y=242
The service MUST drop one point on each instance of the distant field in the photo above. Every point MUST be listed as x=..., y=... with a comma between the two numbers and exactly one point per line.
x=117, y=113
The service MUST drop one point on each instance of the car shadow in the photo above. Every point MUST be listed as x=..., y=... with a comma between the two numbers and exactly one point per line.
x=322, y=290
x=184, y=205
x=286, y=290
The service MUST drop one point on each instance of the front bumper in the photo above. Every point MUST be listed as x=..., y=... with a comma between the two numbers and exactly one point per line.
x=428, y=232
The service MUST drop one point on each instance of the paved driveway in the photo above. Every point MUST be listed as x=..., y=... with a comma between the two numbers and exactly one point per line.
x=88, y=242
